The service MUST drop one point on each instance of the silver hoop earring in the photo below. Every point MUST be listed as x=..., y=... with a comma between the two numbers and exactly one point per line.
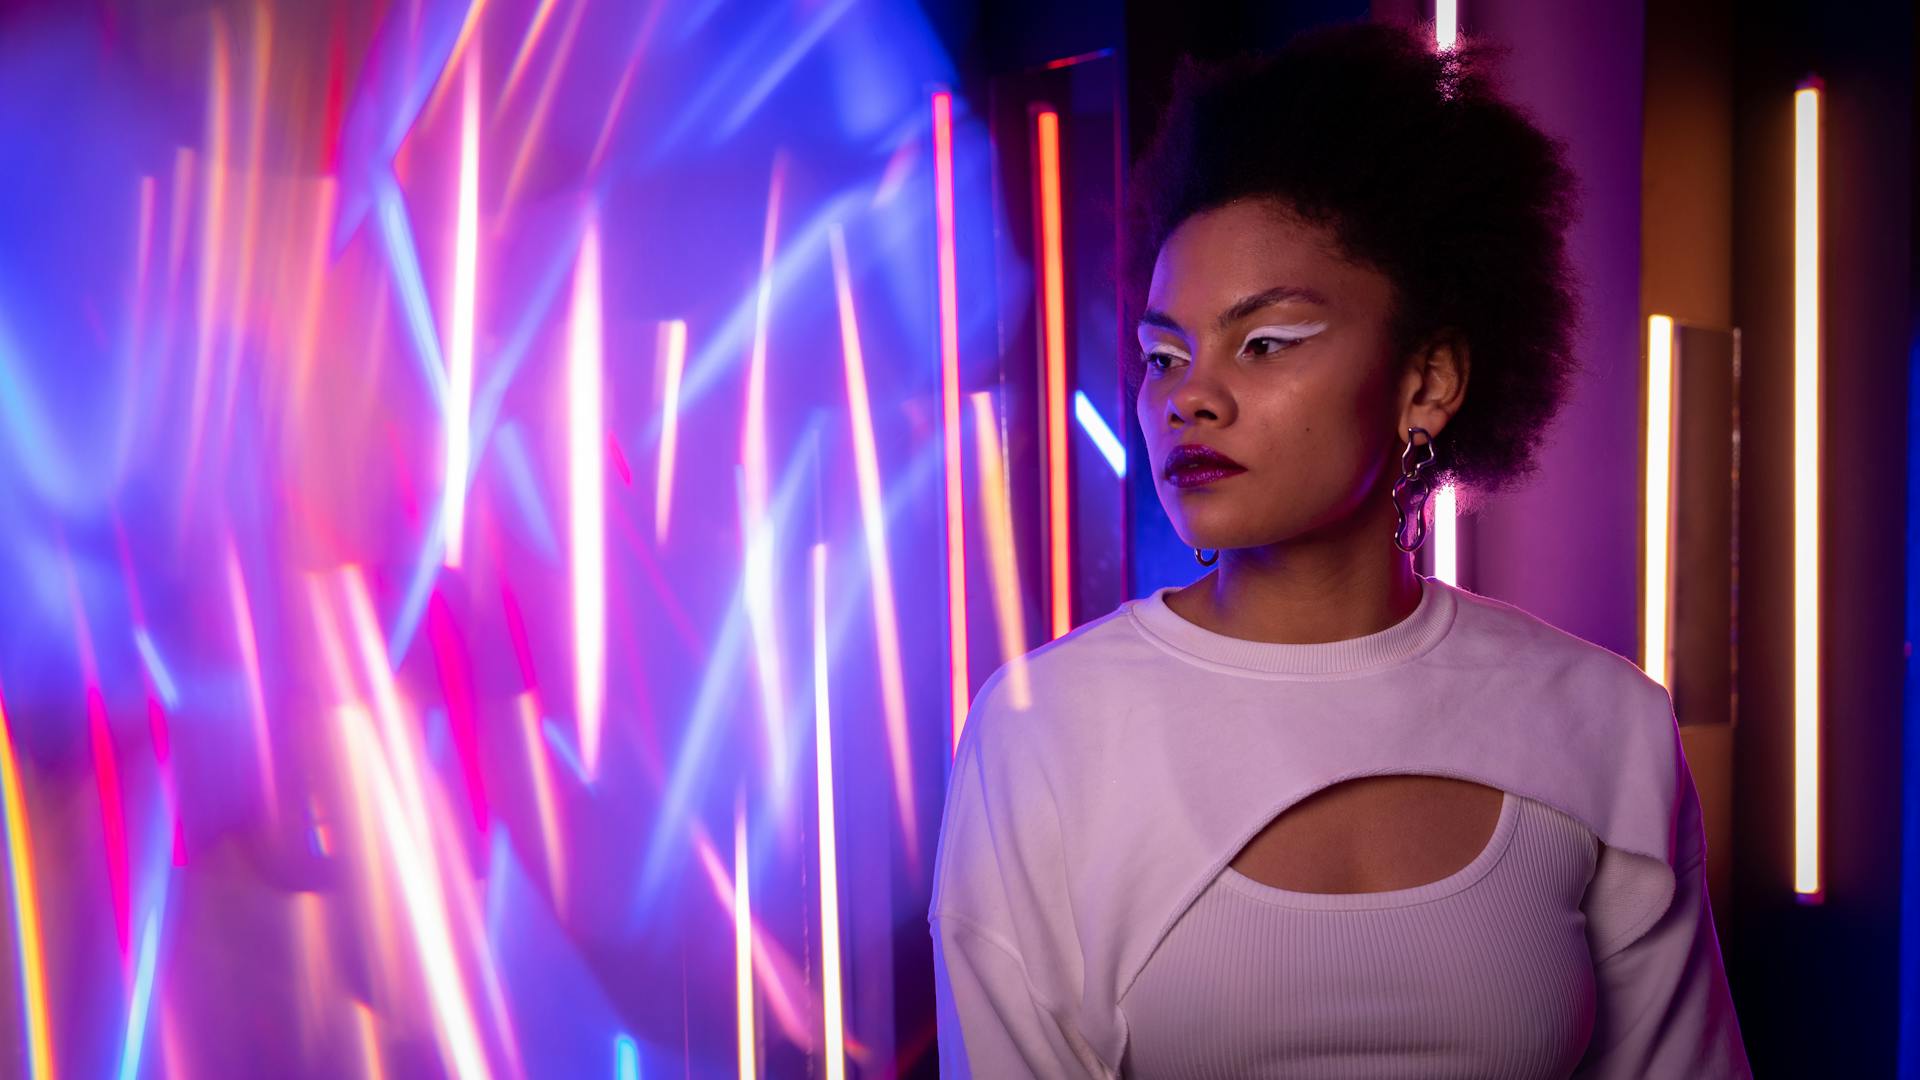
x=1413, y=486
x=1203, y=561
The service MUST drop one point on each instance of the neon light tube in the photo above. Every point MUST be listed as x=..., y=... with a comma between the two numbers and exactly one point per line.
x=1053, y=308
x=586, y=458
x=950, y=403
x=1656, y=579
x=459, y=411
x=1806, y=492
x=833, y=1015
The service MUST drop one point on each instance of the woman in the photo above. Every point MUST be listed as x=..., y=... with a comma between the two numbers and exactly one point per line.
x=1316, y=815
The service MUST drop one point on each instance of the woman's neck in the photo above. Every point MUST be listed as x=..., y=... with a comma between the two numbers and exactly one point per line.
x=1303, y=592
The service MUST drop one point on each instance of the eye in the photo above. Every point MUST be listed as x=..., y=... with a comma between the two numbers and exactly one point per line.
x=1158, y=362
x=1279, y=344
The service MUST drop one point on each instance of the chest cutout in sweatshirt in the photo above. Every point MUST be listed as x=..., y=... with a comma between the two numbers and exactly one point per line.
x=1374, y=834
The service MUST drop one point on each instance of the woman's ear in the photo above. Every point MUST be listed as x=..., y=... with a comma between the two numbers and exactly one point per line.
x=1434, y=385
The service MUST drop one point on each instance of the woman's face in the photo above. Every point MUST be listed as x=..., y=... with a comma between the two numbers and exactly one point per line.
x=1266, y=344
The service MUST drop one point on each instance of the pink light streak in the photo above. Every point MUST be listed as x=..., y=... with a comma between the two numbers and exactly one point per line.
x=673, y=350
x=761, y=586
x=873, y=521
x=250, y=666
x=586, y=429
x=384, y=760
x=466, y=258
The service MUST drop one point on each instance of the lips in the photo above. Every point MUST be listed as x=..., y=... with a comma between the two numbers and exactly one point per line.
x=1194, y=464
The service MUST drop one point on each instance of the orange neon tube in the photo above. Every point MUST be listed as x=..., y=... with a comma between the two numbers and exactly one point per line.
x=1053, y=308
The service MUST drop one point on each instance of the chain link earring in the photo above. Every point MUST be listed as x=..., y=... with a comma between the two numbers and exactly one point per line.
x=1414, y=485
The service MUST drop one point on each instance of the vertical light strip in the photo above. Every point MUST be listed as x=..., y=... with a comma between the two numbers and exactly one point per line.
x=1446, y=519
x=833, y=1017
x=26, y=910
x=587, y=465
x=544, y=800
x=873, y=522
x=673, y=350
x=1806, y=492
x=250, y=667
x=997, y=507
x=459, y=411
x=1053, y=313
x=742, y=942
x=1446, y=536
x=950, y=403
x=1656, y=578
x=759, y=537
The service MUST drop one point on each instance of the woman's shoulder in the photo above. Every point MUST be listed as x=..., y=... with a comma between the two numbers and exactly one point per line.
x=1047, y=687
x=1519, y=639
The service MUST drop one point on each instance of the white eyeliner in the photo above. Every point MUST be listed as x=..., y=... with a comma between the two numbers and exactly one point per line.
x=1287, y=332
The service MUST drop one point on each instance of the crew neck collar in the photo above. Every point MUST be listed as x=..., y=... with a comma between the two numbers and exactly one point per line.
x=1402, y=641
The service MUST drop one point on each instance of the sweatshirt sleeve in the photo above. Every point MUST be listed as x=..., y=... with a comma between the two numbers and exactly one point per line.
x=1664, y=1008
x=995, y=920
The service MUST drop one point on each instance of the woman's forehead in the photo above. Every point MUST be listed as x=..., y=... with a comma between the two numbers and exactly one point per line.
x=1216, y=260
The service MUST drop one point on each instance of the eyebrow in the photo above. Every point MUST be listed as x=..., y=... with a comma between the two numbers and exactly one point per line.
x=1241, y=308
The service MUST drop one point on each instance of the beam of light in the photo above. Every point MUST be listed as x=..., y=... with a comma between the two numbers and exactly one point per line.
x=404, y=260
x=528, y=42
x=693, y=760
x=564, y=750
x=1806, y=493
x=742, y=943
x=874, y=525
x=833, y=1018
x=138, y=1007
x=626, y=1058
x=387, y=763
x=769, y=73
x=779, y=977
x=315, y=291
x=635, y=51
x=1103, y=437
x=1446, y=23
x=142, y=258
x=586, y=433
x=106, y=767
x=457, y=53
x=673, y=352
x=26, y=910
x=957, y=640
x=762, y=586
x=997, y=507
x=1656, y=582
x=542, y=105
x=1446, y=535
x=466, y=271
x=537, y=306
x=368, y=1039
x=250, y=667
x=518, y=465
x=532, y=744
x=1053, y=308
x=241, y=302
x=456, y=682
x=156, y=667
x=213, y=212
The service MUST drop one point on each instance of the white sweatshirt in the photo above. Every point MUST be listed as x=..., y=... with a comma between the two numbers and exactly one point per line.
x=1104, y=781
